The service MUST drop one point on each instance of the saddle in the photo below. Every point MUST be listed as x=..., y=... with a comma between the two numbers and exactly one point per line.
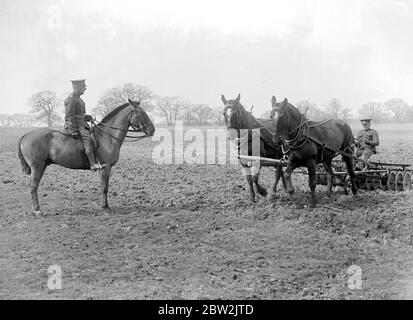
x=75, y=137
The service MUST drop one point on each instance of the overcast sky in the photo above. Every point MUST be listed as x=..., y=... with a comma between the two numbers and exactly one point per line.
x=356, y=51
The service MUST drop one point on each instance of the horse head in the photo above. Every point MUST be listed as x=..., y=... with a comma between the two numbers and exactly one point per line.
x=139, y=119
x=279, y=118
x=233, y=114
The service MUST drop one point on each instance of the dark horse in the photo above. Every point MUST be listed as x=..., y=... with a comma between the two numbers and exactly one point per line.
x=310, y=143
x=245, y=130
x=41, y=147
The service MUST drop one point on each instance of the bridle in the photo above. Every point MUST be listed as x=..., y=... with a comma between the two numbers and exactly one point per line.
x=134, y=129
x=302, y=135
x=240, y=141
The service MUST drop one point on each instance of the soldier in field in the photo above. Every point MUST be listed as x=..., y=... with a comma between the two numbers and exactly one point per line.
x=76, y=121
x=366, y=142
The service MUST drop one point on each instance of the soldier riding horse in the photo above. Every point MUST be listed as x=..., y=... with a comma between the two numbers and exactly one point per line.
x=76, y=121
x=41, y=147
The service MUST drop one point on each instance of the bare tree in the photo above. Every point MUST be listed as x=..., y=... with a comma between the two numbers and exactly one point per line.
x=217, y=116
x=44, y=105
x=372, y=110
x=334, y=107
x=398, y=107
x=304, y=106
x=119, y=95
x=4, y=120
x=170, y=108
x=22, y=120
x=409, y=114
x=202, y=113
x=311, y=110
x=187, y=114
x=346, y=114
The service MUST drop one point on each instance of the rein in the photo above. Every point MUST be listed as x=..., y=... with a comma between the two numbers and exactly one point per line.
x=303, y=132
x=134, y=129
x=240, y=141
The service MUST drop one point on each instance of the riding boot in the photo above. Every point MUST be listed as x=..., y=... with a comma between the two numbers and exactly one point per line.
x=94, y=165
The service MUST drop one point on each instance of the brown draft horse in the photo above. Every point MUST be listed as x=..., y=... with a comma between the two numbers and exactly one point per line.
x=310, y=143
x=41, y=147
x=252, y=137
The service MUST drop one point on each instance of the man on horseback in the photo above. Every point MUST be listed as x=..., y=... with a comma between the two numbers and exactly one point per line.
x=367, y=141
x=76, y=121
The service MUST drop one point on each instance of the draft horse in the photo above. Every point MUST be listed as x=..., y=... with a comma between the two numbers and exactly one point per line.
x=41, y=147
x=309, y=143
x=252, y=136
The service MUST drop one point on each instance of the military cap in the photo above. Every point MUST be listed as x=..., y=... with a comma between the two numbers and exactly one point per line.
x=78, y=83
x=366, y=119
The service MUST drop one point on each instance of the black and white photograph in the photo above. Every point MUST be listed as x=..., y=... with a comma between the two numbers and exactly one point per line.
x=206, y=151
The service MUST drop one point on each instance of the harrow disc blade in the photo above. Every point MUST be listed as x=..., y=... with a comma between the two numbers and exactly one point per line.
x=399, y=181
x=391, y=181
x=407, y=181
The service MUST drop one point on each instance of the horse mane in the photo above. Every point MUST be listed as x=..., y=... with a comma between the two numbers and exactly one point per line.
x=111, y=114
x=296, y=110
x=247, y=114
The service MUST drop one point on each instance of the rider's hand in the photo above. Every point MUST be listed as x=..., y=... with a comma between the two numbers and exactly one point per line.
x=88, y=117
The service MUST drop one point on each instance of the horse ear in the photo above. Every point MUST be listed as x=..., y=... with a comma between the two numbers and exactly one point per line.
x=273, y=101
x=238, y=98
x=130, y=101
x=285, y=102
x=223, y=99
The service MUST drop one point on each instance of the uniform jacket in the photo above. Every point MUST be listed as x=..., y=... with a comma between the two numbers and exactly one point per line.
x=75, y=114
x=369, y=135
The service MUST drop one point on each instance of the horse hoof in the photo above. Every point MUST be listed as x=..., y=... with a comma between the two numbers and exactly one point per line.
x=37, y=213
x=292, y=196
x=263, y=192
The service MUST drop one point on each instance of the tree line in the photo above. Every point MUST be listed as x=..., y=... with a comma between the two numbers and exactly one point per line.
x=393, y=110
x=46, y=107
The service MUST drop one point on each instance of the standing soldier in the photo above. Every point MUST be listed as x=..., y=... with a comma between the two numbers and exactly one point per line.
x=76, y=121
x=367, y=141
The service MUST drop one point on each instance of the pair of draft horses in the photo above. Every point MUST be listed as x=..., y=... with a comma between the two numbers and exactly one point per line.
x=306, y=142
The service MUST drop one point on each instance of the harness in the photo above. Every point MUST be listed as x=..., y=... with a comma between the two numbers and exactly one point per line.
x=302, y=137
x=240, y=141
x=135, y=138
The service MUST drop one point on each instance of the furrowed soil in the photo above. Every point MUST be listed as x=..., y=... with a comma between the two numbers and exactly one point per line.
x=188, y=231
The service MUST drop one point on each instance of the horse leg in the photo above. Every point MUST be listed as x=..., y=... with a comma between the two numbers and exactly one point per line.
x=289, y=184
x=246, y=171
x=35, y=177
x=311, y=165
x=278, y=174
x=330, y=179
x=255, y=174
x=350, y=170
x=104, y=181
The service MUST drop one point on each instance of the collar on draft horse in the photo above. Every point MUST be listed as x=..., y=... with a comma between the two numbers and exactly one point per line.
x=300, y=138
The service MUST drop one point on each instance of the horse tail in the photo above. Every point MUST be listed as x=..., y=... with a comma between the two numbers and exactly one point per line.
x=25, y=166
